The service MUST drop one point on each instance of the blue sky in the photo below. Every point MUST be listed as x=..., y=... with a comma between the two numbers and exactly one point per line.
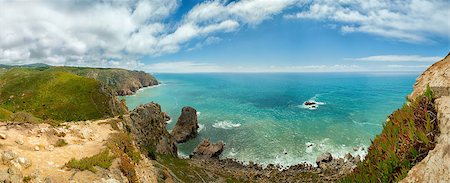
x=228, y=36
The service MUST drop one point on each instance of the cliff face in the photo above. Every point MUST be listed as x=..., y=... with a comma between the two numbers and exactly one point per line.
x=437, y=77
x=122, y=82
x=436, y=165
x=147, y=123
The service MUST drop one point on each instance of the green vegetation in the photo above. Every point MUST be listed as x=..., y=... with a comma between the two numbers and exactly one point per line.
x=122, y=143
x=5, y=114
x=405, y=140
x=103, y=160
x=50, y=94
x=128, y=169
x=60, y=143
x=188, y=172
x=116, y=79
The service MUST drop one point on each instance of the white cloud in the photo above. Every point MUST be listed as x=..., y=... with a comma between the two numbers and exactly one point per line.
x=74, y=32
x=398, y=58
x=406, y=20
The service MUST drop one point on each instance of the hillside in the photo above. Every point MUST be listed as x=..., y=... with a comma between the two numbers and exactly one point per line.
x=52, y=94
x=121, y=81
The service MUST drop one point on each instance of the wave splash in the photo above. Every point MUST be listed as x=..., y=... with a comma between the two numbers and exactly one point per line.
x=226, y=125
x=312, y=103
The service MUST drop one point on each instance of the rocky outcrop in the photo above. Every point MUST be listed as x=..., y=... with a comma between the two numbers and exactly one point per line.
x=206, y=149
x=437, y=77
x=435, y=167
x=122, y=82
x=147, y=124
x=187, y=125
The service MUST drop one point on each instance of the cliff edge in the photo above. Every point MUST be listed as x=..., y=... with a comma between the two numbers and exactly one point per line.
x=435, y=167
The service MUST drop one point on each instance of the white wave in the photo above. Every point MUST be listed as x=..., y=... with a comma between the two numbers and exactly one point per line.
x=201, y=127
x=170, y=121
x=226, y=125
x=313, y=100
x=232, y=153
x=365, y=123
x=198, y=113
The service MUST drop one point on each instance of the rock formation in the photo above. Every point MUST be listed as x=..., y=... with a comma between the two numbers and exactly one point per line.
x=206, y=149
x=187, y=125
x=437, y=77
x=435, y=167
x=147, y=123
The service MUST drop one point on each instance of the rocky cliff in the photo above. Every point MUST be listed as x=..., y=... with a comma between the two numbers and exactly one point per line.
x=437, y=77
x=436, y=165
x=147, y=124
x=121, y=81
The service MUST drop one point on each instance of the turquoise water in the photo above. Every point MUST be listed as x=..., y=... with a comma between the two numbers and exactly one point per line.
x=261, y=117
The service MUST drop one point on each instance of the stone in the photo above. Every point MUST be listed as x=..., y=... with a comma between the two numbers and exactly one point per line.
x=187, y=125
x=2, y=136
x=24, y=162
x=20, y=141
x=8, y=156
x=48, y=180
x=49, y=148
x=357, y=159
x=206, y=149
x=324, y=158
x=348, y=157
x=36, y=148
x=310, y=103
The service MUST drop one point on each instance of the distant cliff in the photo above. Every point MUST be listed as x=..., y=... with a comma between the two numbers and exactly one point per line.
x=121, y=81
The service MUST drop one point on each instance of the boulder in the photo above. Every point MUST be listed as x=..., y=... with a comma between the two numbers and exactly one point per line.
x=206, y=149
x=187, y=125
x=324, y=158
x=310, y=103
x=2, y=136
x=8, y=156
x=23, y=162
x=19, y=141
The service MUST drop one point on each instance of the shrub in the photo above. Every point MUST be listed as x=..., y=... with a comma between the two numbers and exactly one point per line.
x=60, y=143
x=24, y=117
x=122, y=143
x=405, y=140
x=103, y=160
x=128, y=169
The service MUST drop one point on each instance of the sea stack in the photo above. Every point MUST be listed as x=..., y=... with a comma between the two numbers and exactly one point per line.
x=187, y=125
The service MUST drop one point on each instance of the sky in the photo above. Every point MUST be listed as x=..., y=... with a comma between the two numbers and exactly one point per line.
x=186, y=36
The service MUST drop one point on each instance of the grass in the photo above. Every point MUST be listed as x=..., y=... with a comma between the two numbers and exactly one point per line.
x=116, y=79
x=405, y=140
x=103, y=160
x=5, y=114
x=50, y=94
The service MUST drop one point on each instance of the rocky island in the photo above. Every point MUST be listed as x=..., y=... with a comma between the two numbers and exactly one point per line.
x=102, y=141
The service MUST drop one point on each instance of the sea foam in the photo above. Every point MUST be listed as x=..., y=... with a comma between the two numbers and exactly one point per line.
x=314, y=106
x=226, y=125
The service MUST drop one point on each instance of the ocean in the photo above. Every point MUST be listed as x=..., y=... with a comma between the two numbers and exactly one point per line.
x=262, y=117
